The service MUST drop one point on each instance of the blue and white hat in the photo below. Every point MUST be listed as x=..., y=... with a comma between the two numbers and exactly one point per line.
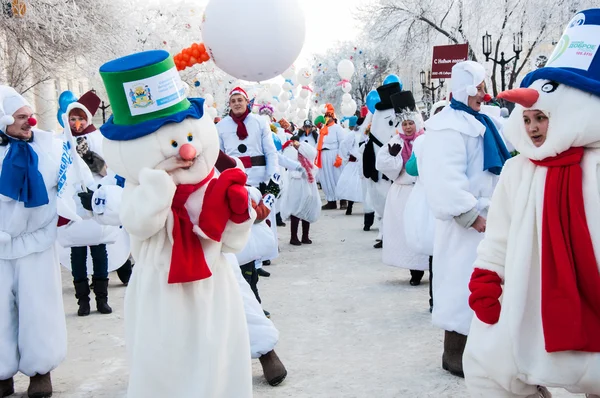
x=576, y=59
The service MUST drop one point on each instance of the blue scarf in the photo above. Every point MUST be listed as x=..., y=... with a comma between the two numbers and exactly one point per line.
x=20, y=178
x=495, y=153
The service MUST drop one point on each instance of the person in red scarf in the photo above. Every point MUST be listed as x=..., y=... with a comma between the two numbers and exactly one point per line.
x=535, y=287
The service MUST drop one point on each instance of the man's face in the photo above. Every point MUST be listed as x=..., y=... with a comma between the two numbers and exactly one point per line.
x=238, y=104
x=307, y=130
x=21, y=129
x=474, y=102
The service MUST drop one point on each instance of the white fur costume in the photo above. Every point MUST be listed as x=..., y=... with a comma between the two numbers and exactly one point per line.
x=350, y=185
x=329, y=174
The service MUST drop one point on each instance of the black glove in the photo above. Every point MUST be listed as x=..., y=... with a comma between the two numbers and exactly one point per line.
x=394, y=149
x=86, y=199
x=352, y=158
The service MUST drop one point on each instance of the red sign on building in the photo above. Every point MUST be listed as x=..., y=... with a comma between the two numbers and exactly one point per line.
x=445, y=57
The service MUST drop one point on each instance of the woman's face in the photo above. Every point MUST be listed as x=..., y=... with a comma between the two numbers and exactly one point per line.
x=536, y=125
x=77, y=123
x=408, y=127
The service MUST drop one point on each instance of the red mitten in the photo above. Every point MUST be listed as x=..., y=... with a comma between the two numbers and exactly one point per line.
x=237, y=196
x=485, y=291
x=216, y=210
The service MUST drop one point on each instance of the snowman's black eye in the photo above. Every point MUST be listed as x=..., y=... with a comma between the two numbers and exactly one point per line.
x=174, y=144
x=550, y=87
x=190, y=137
x=391, y=123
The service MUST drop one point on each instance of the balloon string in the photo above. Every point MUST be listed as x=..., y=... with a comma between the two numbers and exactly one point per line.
x=290, y=82
x=343, y=82
x=276, y=98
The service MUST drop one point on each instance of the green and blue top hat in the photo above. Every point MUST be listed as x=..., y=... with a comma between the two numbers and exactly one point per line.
x=145, y=93
x=576, y=59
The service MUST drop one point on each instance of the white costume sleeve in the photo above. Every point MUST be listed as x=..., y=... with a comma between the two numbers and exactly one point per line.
x=287, y=162
x=269, y=150
x=491, y=252
x=145, y=207
x=308, y=151
x=106, y=204
x=387, y=164
x=445, y=166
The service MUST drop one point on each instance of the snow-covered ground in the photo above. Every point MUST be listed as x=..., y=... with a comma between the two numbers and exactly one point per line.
x=350, y=327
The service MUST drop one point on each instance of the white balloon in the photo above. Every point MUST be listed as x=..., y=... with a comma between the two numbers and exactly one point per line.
x=286, y=86
x=304, y=76
x=301, y=114
x=346, y=98
x=304, y=93
x=323, y=109
x=209, y=99
x=278, y=115
x=348, y=109
x=345, y=69
x=294, y=103
x=212, y=112
x=354, y=105
x=267, y=54
x=285, y=96
x=346, y=87
x=275, y=89
x=289, y=73
x=282, y=107
x=301, y=105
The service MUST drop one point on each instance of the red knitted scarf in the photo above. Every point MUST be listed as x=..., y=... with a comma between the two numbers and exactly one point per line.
x=241, y=131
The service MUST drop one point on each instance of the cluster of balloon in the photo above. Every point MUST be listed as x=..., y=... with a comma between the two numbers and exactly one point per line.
x=372, y=100
x=211, y=106
x=346, y=69
x=265, y=55
x=393, y=79
x=190, y=56
x=65, y=99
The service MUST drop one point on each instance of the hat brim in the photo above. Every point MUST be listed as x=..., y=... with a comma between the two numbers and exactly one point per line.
x=381, y=106
x=567, y=76
x=116, y=132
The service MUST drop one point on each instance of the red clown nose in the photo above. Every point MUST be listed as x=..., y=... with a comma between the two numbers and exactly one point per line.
x=487, y=98
x=32, y=121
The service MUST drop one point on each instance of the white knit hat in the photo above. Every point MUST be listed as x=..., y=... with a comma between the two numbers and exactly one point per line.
x=466, y=76
x=10, y=102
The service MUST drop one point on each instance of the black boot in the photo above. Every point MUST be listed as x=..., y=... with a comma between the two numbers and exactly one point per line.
x=263, y=273
x=251, y=276
x=305, y=232
x=378, y=245
x=415, y=277
x=7, y=387
x=343, y=204
x=349, y=209
x=40, y=386
x=454, y=346
x=273, y=368
x=124, y=272
x=369, y=220
x=101, y=292
x=430, y=283
x=82, y=294
x=294, y=221
x=331, y=205
x=279, y=221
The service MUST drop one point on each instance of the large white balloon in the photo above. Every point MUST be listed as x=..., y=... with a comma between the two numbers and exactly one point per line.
x=348, y=109
x=304, y=93
x=346, y=87
x=346, y=98
x=345, y=69
x=209, y=100
x=278, y=31
x=275, y=89
x=284, y=96
x=282, y=107
x=301, y=104
x=286, y=86
x=289, y=73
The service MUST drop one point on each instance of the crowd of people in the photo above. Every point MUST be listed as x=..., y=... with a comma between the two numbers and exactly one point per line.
x=498, y=210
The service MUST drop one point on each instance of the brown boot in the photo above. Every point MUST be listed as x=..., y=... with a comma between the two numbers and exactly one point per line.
x=7, y=387
x=273, y=369
x=454, y=346
x=542, y=392
x=40, y=386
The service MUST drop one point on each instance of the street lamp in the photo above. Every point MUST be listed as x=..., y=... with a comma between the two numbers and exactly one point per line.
x=517, y=48
x=102, y=107
x=431, y=89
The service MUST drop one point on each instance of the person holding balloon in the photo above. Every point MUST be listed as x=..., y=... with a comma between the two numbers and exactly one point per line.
x=328, y=157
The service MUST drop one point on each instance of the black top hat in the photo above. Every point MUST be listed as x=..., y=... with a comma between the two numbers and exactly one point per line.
x=385, y=92
x=308, y=123
x=403, y=100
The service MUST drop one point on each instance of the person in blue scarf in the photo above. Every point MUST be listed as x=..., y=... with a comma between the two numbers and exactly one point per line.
x=463, y=156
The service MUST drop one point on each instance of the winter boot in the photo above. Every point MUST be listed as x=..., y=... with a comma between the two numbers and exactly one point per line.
x=343, y=204
x=263, y=273
x=267, y=262
x=542, y=392
x=250, y=274
x=369, y=220
x=378, y=245
x=279, y=221
x=305, y=231
x=82, y=294
x=349, y=208
x=124, y=272
x=101, y=292
x=7, y=387
x=273, y=368
x=331, y=205
x=454, y=346
x=40, y=386
x=415, y=277
x=294, y=221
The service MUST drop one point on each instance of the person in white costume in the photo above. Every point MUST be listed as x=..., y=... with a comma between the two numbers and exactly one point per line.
x=349, y=185
x=301, y=201
x=363, y=131
x=391, y=159
x=329, y=161
x=463, y=156
x=33, y=171
x=535, y=288
x=383, y=128
x=309, y=134
x=186, y=333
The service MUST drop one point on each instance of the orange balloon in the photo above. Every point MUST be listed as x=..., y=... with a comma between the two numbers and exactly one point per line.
x=195, y=53
x=204, y=57
x=202, y=48
x=193, y=61
x=194, y=46
x=185, y=57
x=185, y=51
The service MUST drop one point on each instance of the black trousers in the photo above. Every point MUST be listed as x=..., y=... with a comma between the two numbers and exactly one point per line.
x=251, y=276
x=79, y=262
x=431, y=281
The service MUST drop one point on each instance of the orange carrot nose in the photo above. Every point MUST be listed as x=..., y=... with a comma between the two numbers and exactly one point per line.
x=187, y=152
x=77, y=124
x=526, y=97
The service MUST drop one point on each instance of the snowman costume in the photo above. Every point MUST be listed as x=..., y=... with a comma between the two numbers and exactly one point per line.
x=349, y=185
x=186, y=332
x=541, y=332
x=396, y=251
x=328, y=158
x=458, y=190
